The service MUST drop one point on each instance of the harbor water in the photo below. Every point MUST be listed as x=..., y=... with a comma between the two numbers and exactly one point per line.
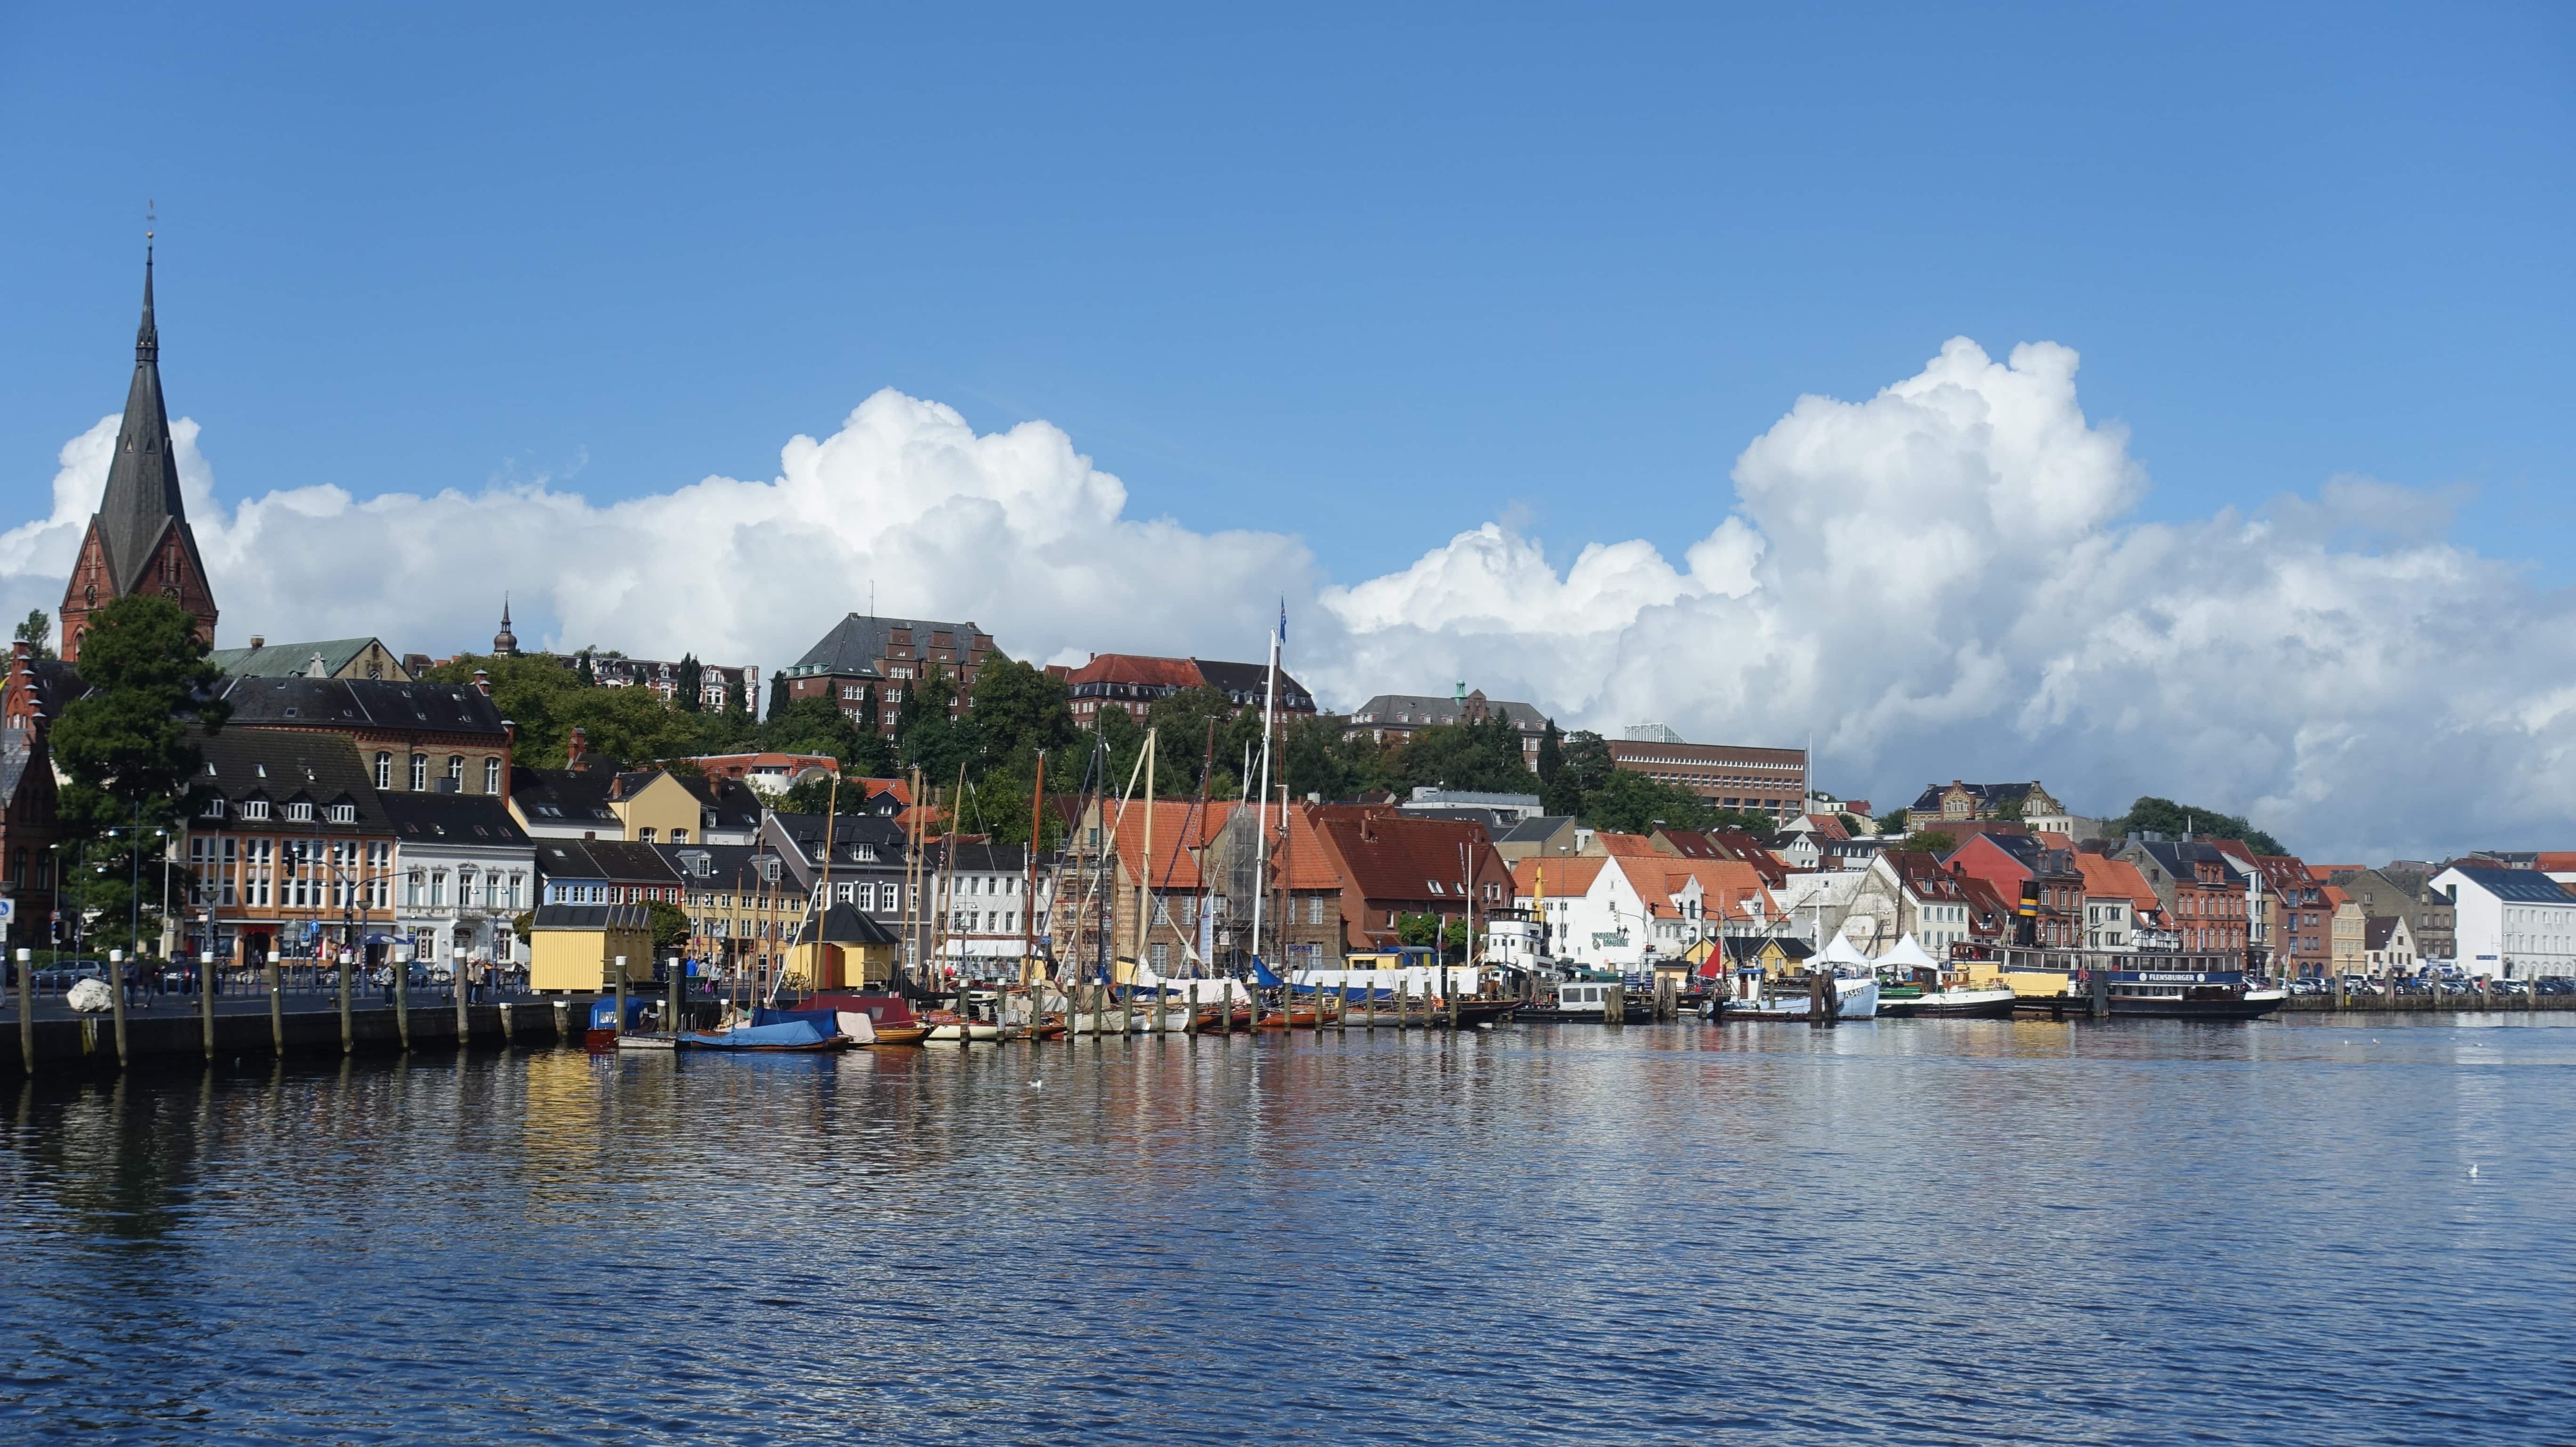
x=2304, y=1230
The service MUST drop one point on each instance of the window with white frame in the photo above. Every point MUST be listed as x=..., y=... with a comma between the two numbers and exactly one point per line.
x=492, y=776
x=419, y=772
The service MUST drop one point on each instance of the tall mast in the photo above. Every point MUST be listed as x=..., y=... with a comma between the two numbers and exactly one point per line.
x=1029, y=901
x=1269, y=704
x=1145, y=874
x=823, y=904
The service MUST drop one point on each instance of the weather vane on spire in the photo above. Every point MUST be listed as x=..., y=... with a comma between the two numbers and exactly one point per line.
x=150, y=218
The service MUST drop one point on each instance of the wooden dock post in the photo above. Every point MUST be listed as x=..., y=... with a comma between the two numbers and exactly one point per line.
x=456, y=981
x=620, y=1027
x=276, y=1008
x=402, y=1000
x=1614, y=1004
x=116, y=965
x=26, y=961
x=1820, y=1000
x=1341, y=1007
x=206, y=1003
x=2100, y=989
x=671, y=997
x=348, y=1028
x=509, y=1027
x=1667, y=1005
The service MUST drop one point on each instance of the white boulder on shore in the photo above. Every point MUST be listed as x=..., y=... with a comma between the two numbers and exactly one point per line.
x=89, y=996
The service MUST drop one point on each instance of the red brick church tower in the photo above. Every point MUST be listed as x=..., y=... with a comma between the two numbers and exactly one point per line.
x=139, y=540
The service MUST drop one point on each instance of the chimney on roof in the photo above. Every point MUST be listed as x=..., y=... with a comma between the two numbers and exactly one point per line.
x=258, y=642
x=574, y=749
x=483, y=682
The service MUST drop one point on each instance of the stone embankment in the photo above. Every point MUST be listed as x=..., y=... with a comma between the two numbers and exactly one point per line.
x=170, y=1038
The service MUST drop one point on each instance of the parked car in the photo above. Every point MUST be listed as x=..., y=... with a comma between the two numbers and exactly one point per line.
x=63, y=974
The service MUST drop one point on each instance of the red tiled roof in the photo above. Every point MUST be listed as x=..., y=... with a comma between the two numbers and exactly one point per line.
x=1395, y=857
x=1565, y=875
x=1136, y=668
x=1619, y=844
x=2108, y=878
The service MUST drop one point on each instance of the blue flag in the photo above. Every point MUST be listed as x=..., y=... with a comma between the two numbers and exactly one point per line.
x=1283, y=620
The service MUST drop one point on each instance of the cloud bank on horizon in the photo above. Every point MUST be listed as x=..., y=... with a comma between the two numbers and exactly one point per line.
x=1941, y=581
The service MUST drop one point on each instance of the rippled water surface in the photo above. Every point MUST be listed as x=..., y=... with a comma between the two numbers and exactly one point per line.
x=1907, y=1232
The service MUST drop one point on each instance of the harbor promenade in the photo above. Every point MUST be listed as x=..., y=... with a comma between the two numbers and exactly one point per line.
x=172, y=1030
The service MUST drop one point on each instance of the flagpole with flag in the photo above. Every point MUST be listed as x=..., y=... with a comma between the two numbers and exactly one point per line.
x=1269, y=705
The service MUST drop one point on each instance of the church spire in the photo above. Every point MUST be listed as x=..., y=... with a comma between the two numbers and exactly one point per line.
x=147, y=337
x=505, y=644
x=139, y=540
x=142, y=497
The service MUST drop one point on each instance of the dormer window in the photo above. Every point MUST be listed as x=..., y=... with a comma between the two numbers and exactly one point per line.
x=299, y=812
x=254, y=808
x=214, y=809
x=344, y=813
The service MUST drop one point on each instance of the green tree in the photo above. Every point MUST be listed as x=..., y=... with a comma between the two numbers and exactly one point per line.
x=1749, y=821
x=929, y=736
x=777, y=693
x=1929, y=841
x=1315, y=760
x=37, y=632
x=2148, y=814
x=736, y=703
x=127, y=747
x=1892, y=822
x=1181, y=720
x=1480, y=757
x=1584, y=767
x=1629, y=802
x=125, y=743
x=1019, y=712
x=670, y=925
x=1551, y=754
x=588, y=675
x=688, y=684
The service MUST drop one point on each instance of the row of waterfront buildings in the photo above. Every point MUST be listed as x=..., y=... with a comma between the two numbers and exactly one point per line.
x=348, y=805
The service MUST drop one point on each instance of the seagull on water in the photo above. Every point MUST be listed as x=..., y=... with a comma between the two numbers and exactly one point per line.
x=1037, y=1085
x=2473, y=1172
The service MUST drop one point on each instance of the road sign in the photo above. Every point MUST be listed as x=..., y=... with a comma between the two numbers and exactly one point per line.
x=8, y=910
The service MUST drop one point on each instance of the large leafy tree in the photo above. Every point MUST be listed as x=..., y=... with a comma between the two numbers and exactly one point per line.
x=688, y=684
x=1482, y=757
x=1632, y=803
x=2164, y=816
x=670, y=925
x=127, y=748
x=1583, y=767
x=1019, y=712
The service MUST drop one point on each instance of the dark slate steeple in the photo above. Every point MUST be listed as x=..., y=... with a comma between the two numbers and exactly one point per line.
x=142, y=499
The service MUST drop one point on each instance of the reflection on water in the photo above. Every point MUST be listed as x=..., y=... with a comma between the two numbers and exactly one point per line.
x=1926, y=1231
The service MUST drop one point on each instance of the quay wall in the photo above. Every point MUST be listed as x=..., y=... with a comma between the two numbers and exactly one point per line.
x=2468, y=1004
x=168, y=1038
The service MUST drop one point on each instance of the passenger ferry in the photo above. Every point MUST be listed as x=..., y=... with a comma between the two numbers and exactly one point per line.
x=2161, y=984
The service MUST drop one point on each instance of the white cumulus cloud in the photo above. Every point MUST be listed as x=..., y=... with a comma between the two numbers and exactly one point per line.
x=1942, y=580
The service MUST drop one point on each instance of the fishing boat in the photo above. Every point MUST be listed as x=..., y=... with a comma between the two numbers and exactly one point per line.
x=1915, y=986
x=604, y=1028
x=1792, y=997
x=1582, y=998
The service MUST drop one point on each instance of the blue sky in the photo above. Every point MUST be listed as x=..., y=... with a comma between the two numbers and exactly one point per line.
x=1450, y=326
x=1366, y=278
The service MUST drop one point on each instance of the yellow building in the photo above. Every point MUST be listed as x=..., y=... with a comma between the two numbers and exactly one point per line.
x=854, y=952
x=575, y=946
